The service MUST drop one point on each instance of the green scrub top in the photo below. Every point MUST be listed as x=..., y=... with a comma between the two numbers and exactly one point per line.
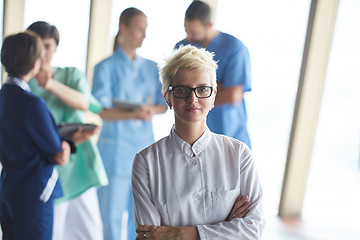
x=85, y=168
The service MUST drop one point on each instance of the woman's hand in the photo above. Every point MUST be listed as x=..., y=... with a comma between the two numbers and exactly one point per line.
x=62, y=158
x=44, y=76
x=166, y=233
x=229, y=95
x=81, y=136
x=145, y=113
x=240, y=208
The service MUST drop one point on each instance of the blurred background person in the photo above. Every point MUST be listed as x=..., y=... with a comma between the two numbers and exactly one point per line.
x=233, y=75
x=30, y=145
x=67, y=94
x=128, y=77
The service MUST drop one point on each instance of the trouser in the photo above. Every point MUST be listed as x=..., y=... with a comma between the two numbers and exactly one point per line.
x=78, y=218
x=115, y=200
x=24, y=219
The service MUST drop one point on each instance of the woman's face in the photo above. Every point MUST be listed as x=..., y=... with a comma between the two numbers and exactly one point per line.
x=135, y=33
x=191, y=109
x=50, y=47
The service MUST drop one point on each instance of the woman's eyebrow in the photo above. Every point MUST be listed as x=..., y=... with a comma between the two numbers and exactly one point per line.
x=199, y=85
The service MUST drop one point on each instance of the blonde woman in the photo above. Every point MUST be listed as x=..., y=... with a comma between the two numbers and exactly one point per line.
x=195, y=184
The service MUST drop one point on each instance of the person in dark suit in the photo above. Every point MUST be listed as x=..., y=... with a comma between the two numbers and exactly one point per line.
x=30, y=145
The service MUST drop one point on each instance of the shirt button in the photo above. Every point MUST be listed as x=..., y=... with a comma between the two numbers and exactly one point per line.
x=197, y=197
x=193, y=162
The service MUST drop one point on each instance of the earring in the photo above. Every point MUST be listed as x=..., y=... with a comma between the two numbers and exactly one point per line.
x=170, y=107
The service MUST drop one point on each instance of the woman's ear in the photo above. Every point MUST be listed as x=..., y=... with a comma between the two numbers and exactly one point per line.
x=214, y=96
x=122, y=27
x=167, y=99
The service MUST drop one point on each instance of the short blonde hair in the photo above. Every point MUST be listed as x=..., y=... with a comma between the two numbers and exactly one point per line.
x=187, y=57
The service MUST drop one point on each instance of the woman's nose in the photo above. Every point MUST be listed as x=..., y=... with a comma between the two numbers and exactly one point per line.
x=192, y=97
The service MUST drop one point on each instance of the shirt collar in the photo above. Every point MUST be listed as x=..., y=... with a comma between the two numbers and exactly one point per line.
x=18, y=82
x=196, y=148
x=119, y=51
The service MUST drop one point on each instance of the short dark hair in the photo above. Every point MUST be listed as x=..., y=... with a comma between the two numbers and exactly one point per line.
x=45, y=30
x=199, y=10
x=19, y=53
x=128, y=14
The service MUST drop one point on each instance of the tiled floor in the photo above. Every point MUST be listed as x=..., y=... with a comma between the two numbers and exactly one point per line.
x=294, y=229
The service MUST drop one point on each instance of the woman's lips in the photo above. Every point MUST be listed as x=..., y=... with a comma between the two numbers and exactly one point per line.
x=192, y=109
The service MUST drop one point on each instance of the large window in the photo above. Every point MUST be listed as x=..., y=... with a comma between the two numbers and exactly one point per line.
x=333, y=191
x=165, y=24
x=274, y=32
x=72, y=20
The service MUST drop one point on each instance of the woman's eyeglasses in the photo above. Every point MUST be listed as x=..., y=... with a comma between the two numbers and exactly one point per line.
x=184, y=92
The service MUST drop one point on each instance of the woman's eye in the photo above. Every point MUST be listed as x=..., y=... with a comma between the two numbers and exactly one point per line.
x=180, y=90
x=203, y=89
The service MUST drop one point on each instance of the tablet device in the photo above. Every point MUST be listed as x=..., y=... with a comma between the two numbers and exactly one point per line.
x=66, y=130
x=126, y=105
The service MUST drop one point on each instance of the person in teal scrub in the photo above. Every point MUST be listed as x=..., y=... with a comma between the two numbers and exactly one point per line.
x=229, y=115
x=68, y=96
x=125, y=77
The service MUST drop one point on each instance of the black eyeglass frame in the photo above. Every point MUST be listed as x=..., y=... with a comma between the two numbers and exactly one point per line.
x=191, y=90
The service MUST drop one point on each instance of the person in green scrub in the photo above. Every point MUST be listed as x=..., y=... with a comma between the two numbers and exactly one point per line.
x=68, y=96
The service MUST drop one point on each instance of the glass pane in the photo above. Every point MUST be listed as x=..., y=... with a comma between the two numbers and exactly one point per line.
x=165, y=29
x=274, y=32
x=72, y=20
x=333, y=191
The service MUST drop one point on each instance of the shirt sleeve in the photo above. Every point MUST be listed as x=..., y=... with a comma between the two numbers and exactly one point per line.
x=77, y=80
x=145, y=212
x=249, y=227
x=101, y=86
x=238, y=67
x=42, y=129
x=177, y=45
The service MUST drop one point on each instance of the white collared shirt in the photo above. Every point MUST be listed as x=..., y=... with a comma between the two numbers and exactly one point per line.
x=18, y=82
x=181, y=185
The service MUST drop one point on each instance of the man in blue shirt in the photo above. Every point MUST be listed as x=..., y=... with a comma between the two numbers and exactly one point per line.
x=233, y=75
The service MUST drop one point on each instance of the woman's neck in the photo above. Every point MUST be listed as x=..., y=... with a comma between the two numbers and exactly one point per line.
x=189, y=132
x=130, y=52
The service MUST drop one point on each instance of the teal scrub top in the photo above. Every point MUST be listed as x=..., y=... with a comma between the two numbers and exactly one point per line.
x=119, y=77
x=85, y=168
